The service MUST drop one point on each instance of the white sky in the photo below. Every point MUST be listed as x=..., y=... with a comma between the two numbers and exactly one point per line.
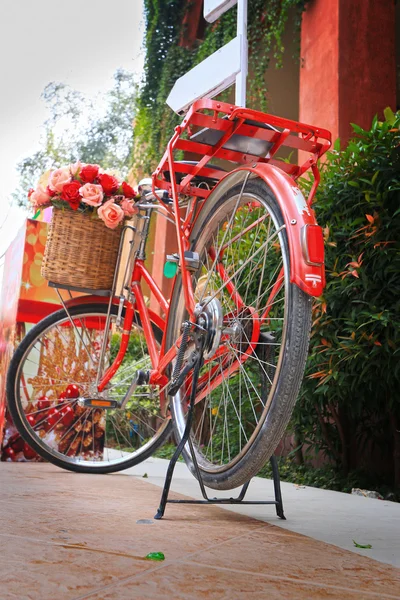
x=78, y=42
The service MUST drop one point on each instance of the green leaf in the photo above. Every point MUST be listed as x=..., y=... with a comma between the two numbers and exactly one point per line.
x=390, y=117
x=357, y=128
x=155, y=556
x=364, y=546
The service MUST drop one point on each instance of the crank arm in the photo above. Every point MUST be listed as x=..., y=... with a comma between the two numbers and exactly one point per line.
x=140, y=378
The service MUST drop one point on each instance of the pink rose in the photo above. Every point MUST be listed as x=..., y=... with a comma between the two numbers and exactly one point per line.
x=59, y=178
x=39, y=197
x=76, y=167
x=92, y=194
x=128, y=207
x=111, y=214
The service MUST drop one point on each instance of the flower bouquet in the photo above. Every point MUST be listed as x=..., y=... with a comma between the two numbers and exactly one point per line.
x=89, y=207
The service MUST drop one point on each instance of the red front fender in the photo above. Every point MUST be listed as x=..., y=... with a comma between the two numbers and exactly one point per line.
x=307, y=268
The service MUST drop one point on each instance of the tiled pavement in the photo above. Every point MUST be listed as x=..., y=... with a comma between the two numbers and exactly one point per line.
x=324, y=515
x=72, y=537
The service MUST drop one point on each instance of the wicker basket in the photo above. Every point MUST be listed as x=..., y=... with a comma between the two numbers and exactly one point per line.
x=80, y=251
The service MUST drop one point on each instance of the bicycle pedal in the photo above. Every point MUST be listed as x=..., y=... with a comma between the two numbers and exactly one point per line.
x=100, y=403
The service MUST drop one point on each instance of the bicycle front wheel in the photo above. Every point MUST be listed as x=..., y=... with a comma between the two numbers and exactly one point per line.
x=245, y=394
x=56, y=365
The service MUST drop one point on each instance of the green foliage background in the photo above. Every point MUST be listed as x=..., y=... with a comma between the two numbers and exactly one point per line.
x=92, y=132
x=350, y=401
x=76, y=129
x=166, y=61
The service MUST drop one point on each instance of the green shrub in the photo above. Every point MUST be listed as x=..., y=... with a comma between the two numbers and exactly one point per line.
x=349, y=405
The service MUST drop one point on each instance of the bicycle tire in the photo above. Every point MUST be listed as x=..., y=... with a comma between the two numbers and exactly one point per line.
x=37, y=336
x=281, y=393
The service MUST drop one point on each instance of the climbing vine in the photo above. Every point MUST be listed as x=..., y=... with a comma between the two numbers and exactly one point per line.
x=166, y=61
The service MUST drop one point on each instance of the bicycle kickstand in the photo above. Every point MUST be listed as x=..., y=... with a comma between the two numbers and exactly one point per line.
x=185, y=438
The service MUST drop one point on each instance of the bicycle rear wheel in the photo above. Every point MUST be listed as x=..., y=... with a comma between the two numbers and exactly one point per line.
x=245, y=394
x=55, y=365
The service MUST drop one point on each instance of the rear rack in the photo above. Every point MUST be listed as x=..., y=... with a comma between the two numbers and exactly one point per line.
x=216, y=130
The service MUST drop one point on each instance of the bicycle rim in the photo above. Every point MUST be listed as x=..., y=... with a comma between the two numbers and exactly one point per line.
x=58, y=366
x=229, y=419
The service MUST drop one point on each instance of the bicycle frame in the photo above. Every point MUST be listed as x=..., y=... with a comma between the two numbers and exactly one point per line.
x=159, y=358
x=305, y=236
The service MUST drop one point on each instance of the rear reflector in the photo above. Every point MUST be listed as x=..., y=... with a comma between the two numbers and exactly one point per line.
x=312, y=243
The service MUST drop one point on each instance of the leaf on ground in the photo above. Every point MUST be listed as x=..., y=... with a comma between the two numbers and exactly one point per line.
x=155, y=556
x=365, y=546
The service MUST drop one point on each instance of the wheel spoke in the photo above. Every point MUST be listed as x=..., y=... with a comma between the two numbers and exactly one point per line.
x=66, y=354
x=241, y=266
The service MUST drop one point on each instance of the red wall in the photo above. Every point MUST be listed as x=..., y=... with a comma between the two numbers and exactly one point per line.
x=367, y=62
x=319, y=78
x=348, y=71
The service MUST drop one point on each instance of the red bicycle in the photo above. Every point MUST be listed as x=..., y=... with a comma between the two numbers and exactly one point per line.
x=98, y=385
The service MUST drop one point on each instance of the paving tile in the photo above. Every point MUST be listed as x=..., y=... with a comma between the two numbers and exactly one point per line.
x=303, y=558
x=185, y=581
x=67, y=536
x=103, y=512
x=41, y=571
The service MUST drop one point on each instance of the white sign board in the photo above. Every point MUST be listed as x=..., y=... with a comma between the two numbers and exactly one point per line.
x=208, y=78
x=213, y=9
x=220, y=70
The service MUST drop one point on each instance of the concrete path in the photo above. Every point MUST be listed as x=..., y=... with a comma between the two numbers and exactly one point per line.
x=65, y=536
x=328, y=516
